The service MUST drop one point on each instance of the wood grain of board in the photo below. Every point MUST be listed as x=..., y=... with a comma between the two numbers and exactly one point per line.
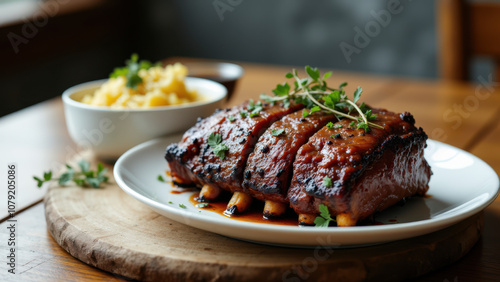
x=110, y=230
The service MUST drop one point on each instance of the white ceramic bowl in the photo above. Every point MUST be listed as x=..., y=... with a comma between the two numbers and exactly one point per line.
x=111, y=132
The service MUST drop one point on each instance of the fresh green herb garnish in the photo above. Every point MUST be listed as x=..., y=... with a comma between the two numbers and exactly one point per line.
x=323, y=220
x=85, y=177
x=332, y=125
x=182, y=206
x=131, y=71
x=352, y=124
x=253, y=109
x=215, y=141
x=277, y=132
x=314, y=109
x=202, y=205
x=244, y=113
x=170, y=202
x=160, y=178
x=327, y=181
x=231, y=118
x=315, y=94
x=254, y=113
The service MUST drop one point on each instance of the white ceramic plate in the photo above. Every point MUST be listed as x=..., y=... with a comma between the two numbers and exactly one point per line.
x=461, y=186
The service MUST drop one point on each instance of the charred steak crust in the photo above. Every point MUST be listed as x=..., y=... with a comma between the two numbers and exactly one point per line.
x=269, y=168
x=199, y=165
x=183, y=158
x=369, y=171
x=363, y=168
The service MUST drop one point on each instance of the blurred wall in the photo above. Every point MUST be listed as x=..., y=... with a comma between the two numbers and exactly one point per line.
x=389, y=37
x=376, y=36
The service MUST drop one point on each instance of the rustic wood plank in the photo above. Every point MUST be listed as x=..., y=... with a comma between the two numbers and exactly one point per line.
x=110, y=230
x=40, y=258
x=453, y=113
x=487, y=148
x=35, y=140
x=45, y=134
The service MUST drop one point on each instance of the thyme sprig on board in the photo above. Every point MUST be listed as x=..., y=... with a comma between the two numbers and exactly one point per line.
x=316, y=95
x=84, y=178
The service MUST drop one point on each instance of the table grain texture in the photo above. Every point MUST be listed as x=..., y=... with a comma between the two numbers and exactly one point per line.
x=460, y=114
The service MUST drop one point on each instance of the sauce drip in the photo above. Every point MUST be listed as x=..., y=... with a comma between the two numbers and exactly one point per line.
x=254, y=214
x=180, y=191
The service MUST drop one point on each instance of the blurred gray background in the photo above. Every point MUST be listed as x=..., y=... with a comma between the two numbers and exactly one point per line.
x=295, y=32
x=373, y=36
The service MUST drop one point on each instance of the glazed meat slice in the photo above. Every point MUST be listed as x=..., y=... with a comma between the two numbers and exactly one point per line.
x=355, y=173
x=181, y=157
x=194, y=161
x=269, y=168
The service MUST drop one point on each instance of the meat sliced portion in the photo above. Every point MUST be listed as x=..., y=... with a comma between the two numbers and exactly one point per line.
x=193, y=160
x=182, y=157
x=269, y=168
x=356, y=174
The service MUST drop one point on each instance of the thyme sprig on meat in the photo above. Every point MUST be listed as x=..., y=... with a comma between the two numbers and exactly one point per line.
x=316, y=95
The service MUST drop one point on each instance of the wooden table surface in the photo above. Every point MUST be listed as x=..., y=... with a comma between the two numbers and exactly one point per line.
x=35, y=140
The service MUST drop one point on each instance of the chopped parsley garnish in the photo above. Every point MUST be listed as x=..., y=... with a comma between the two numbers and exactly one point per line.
x=253, y=109
x=323, y=220
x=331, y=125
x=327, y=181
x=84, y=178
x=160, y=178
x=131, y=71
x=314, y=109
x=182, y=206
x=231, y=118
x=363, y=126
x=277, y=132
x=215, y=141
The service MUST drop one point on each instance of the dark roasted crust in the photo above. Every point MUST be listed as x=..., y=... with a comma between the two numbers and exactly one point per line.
x=193, y=160
x=182, y=157
x=269, y=168
x=369, y=171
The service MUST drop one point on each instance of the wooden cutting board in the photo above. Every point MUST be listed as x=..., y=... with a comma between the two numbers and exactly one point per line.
x=110, y=230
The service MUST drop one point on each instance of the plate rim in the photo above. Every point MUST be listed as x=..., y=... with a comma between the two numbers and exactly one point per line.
x=423, y=226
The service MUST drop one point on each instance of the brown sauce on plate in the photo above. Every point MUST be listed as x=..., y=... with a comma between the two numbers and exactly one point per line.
x=254, y=214
x=180, y=191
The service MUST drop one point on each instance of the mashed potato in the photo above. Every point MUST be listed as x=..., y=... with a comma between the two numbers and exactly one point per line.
x=160, y=87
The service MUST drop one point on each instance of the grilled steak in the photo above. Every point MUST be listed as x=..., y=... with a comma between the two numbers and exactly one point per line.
x=355, y=173
x=193, y=161
x=269, y=168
